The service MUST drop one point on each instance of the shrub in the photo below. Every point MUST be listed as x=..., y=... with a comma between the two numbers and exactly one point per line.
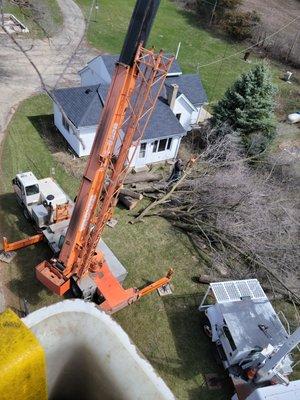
x=248, y=106
x=239, y=25
x=206, y=7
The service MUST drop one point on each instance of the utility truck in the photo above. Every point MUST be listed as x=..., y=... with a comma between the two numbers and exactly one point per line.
x=42, y=200
x=252, y=343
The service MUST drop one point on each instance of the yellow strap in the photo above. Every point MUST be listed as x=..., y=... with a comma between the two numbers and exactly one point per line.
x=22, y=361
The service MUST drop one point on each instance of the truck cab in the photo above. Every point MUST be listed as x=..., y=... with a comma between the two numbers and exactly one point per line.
x=26, y=187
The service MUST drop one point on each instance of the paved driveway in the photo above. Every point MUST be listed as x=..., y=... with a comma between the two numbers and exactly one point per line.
x=18, y=79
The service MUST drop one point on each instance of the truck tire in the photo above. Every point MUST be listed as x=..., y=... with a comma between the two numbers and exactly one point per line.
x=26, y=214
x=206, y=327
x=20, y=202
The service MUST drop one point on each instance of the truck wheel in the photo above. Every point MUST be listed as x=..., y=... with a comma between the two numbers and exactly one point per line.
x=26, y=214
x=207, y=327
x=207, y=331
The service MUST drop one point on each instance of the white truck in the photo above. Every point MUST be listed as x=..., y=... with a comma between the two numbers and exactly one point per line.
x=252, y=343
x=42, y=200
x=49, y=208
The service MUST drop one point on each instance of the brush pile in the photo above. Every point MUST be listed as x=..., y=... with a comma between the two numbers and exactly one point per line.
x=241, y=219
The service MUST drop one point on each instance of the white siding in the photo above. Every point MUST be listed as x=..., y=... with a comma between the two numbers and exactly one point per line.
x=86, y=134
x=183, y=107
x=89, y=77
x=151, y=157
x=94, y=73
x=195, y=115
x=159, y=156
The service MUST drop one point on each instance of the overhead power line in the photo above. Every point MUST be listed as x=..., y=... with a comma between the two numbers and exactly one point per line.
x=250, y=47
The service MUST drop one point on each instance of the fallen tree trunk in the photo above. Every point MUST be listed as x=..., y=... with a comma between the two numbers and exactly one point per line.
x=168, y=194
x=161, y=186
x=128, y=201
x=193, y=228
x=142, y=177
x=131, y=193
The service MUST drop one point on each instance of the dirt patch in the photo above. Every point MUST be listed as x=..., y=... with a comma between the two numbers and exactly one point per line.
x=274, y=14
x=72, y=164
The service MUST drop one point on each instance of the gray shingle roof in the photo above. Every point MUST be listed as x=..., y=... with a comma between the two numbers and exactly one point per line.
x=191, y=86
x=83, y=106
x=110, y=61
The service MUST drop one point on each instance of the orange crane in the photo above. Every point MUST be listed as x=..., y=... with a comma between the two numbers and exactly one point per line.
x=137, y=81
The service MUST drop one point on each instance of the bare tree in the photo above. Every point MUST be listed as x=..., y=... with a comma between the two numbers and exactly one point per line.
x=239, y=217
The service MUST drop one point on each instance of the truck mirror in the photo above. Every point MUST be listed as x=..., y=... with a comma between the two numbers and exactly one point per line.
x=14, y=181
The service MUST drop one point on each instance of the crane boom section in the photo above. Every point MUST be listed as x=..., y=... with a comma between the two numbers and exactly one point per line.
x=151, y=71
x=94, y=177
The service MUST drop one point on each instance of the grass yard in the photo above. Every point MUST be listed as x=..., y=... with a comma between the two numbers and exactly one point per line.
x=198, y=47
x=42, y=17
x=166, y=330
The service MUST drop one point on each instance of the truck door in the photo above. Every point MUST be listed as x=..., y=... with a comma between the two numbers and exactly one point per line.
x=19, y=190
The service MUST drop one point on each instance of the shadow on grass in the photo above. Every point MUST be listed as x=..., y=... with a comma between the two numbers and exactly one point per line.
x=12, y=218
x=195, y=351
x=54, y=140
x=22, y=281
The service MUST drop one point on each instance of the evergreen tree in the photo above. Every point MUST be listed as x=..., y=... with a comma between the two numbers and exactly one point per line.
x=248, y=107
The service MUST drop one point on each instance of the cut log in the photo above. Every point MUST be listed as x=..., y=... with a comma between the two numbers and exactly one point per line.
x=142, y=177
x=128, y=201
x=131, y=193
x=207, y=279
x=160, y=186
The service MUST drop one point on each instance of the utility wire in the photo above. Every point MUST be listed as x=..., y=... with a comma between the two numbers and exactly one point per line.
x=250, y=47
x=88, y=20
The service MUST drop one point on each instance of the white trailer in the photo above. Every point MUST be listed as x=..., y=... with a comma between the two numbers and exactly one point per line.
x=252, y=342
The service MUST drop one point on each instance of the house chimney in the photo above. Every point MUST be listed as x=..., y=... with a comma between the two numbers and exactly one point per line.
x=172, y=95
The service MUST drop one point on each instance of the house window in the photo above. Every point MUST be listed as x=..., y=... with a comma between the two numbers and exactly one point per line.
x=142, y=152
x=155, y=144
x=178, y=116
x=65, y=123
x=161, y=145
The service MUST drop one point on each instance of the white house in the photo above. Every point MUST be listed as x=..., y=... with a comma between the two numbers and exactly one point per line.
x=77, y=111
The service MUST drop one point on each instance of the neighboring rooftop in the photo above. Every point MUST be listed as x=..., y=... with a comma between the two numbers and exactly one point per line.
x=83, y=104
x=191, y=86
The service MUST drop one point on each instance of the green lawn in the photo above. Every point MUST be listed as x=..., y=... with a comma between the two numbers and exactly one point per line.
x=166, y=330
x=42, y=19
x=198, y=46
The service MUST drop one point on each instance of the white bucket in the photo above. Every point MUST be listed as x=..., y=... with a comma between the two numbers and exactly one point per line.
x=89, y=356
